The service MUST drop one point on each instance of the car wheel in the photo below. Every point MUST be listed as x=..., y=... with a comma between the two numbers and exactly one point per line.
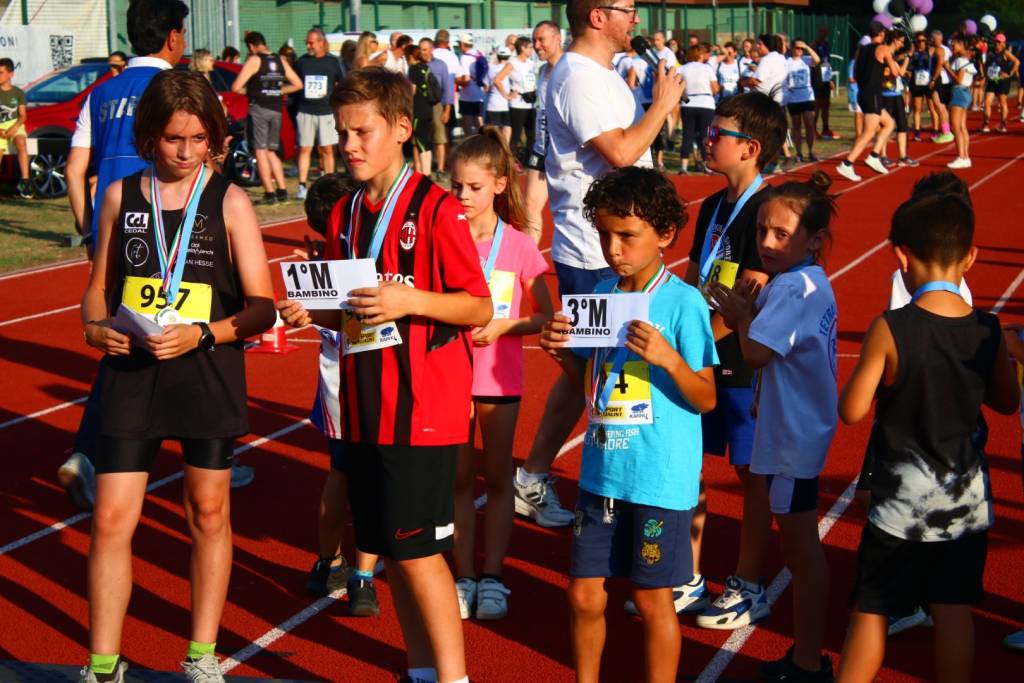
x=47, y=173
x=241, y=164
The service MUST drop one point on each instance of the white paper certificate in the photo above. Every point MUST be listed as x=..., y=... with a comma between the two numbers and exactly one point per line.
x=325, y=285
x=601, y=320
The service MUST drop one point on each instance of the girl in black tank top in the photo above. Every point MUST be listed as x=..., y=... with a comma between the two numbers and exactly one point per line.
x=184, y=378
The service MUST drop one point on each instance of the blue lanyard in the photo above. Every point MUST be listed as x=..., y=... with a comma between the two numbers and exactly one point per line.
x=172, y=263
x=601, y=391
x=380, y=228
x=707, y=256
x=492, y=258
x=935, y=286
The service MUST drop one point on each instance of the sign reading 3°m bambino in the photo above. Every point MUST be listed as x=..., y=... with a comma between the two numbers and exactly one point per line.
x=600, y=320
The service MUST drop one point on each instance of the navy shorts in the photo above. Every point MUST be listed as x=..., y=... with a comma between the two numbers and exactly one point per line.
x=336, y=449
x=730, y=425
x=789, y=495
x=572, y=280
x=648, y=544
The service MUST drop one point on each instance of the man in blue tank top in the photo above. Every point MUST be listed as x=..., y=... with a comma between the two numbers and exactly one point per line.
x=156, y=30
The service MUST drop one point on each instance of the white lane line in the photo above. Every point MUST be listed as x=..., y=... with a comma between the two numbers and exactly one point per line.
x=44, y=411
x=732, y=646
x=304, y=615
x=1009, y=292
x=57, y=526
x=25, y=318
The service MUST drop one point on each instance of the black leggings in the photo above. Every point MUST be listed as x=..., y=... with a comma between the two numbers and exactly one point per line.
x=522, y=119
x=894, y=105
x=695, y=126
x=115, y=454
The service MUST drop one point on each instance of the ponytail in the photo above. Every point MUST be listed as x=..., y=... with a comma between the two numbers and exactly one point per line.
x=810, y=201
x=489, y=148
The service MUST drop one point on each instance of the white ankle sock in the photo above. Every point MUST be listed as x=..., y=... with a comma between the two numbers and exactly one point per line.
x=525, y=478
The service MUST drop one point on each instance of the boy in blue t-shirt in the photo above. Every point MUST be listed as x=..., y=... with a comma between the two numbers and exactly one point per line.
x=642, y=452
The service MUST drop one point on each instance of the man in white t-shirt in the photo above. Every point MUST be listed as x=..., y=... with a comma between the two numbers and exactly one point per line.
x=471, y=92
x=663, y=50
x=594, y=126
x=771, y=69
x=396, y=55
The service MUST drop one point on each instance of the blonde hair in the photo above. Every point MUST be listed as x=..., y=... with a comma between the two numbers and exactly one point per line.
x=489, y=149
x=198, y=58
x=363, y=47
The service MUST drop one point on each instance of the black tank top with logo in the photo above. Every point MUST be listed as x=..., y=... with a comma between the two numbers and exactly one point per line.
x=869, y=71
x=264, y=88
x=201, y=394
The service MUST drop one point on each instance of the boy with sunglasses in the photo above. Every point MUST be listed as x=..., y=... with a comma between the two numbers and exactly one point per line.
x=744, y=136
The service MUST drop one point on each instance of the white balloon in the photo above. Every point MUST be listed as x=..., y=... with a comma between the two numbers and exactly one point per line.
x=897, y=20
x=989, y=21
x=918, y=22
x=880, y=6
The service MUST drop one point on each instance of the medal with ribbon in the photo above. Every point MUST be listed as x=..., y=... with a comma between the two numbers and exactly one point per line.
x=709, y=253
x=502, y=283
x=601, y=379
x=935, y=286
x=171, y=259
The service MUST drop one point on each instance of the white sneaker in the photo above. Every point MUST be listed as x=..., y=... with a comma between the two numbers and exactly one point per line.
x=689, y=598
x=465, y=588
x=491, y=599
x=875, y=164
x=958, y=163
x=206, y=669
x=539, y=501
x=87, y=676
x=738, y=606
x=78, y=477
x=846, y=170
x=241, y=475
x=301, y=192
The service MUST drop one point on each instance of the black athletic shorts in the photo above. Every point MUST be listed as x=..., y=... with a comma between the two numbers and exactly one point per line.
x=402, y=498
x=498, y=118
x=822, y=92
x=945, y=91
x=797, y=108
x=117, y=454
x=870, y=104
x=1000, y=87
x=470, y=108
x=920, y=91
x=896, y=576
x=894, y=105
x=423, y=134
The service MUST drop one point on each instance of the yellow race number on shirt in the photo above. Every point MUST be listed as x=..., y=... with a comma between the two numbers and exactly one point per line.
x=142, y=294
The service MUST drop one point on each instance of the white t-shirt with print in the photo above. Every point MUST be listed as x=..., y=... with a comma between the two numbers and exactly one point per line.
x=797, y=404
x=771, y=72
x=523, y=79
x=585, y=99
x=471, y=92
x=643, y=72
x=699, y=77
x=728, y=77
x=797, y=86
x=967, y=66
x=495, y=100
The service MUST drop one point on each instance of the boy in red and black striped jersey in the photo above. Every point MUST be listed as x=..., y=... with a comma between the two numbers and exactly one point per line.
x=406, y=376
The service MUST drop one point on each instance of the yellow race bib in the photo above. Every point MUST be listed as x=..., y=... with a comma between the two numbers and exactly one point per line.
x=630, y=400
x=142, y=294
x=724, y=272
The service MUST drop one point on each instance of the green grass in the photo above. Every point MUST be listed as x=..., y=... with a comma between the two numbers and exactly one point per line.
x=35, y=232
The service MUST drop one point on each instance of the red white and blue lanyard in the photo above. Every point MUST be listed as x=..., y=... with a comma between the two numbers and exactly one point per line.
x=707, y=255
x=172, y=264
x=601, y=388
x=492, y=257
x=380, y=228
x=935, y=286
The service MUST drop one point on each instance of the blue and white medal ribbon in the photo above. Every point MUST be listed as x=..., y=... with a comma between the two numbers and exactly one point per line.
x=492, y=257
x=172, y=263
x=707, y=256
x=380, y=228
x=935, y=286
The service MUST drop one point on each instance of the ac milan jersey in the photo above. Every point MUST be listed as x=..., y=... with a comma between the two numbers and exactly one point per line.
x=416, y=393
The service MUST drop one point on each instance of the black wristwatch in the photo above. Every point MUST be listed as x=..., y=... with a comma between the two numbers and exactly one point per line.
x=206, y=339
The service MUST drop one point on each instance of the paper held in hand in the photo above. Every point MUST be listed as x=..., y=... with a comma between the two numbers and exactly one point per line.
x=325, y=285
x=601, y=320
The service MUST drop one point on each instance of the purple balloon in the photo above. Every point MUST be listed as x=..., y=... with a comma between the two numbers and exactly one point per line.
x=912, y=4
x=925, y=6
x=971, y=27
x=884, y=19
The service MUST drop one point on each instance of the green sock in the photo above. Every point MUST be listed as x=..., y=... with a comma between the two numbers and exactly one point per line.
x=103, y=664
x=200, y=650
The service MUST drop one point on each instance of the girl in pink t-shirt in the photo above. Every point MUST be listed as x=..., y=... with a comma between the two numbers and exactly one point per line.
x=484, y=181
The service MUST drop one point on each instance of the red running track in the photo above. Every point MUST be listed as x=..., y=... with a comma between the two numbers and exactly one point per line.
x=272, y=628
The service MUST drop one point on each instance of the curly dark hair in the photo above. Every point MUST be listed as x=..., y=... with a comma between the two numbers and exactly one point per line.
x=323, y=194
x=640, y=192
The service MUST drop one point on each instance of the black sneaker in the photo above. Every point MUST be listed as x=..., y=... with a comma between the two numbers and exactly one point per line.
x=25, y=189
x=362, y=598
x=785, y=670
x=282, y=195
x=322, y=581
x=269, y=198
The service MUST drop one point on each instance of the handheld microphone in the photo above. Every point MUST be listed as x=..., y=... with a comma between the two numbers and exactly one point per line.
x=642, y=47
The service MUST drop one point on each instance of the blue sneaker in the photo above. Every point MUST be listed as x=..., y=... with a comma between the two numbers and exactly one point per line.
x=899, y=624
x=689, y=598
x=737, y=607
x=1015, y=641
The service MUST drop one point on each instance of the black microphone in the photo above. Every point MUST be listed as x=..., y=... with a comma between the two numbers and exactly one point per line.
x=642, y=47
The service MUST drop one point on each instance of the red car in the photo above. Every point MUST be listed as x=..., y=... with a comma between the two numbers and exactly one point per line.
x=55, y=100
